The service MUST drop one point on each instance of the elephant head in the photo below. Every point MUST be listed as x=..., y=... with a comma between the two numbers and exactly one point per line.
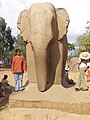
x=39, y=27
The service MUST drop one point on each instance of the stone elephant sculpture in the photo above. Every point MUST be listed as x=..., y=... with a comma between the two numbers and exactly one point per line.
x=44, y=30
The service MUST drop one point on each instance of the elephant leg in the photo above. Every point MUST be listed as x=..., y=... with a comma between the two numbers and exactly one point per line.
x=54, y=56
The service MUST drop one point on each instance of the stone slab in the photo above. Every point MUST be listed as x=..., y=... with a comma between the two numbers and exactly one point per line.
x=57, y=97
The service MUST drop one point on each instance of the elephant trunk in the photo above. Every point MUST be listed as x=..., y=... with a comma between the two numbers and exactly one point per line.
x=41, y=69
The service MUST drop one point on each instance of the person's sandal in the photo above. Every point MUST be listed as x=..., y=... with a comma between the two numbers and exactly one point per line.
x=85, y=89
x=77, y=89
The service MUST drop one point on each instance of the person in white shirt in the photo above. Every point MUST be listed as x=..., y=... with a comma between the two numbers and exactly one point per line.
x=83, y=59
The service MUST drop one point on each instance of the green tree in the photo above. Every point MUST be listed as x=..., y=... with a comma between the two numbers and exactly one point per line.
x=71, y=46
x=6, y=39
x=2, y=25
x=2, y=32
x=84, y=39
x=9, y=39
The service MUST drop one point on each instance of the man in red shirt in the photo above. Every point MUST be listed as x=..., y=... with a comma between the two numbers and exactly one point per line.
x=18, y=68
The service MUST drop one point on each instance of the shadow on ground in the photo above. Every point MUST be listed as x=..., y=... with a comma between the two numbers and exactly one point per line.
x=67, y=83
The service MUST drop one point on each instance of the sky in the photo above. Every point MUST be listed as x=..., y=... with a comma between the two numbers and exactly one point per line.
x=78, y=10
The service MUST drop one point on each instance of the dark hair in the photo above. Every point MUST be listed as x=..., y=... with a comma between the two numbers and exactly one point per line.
x=5, y=76
x=17, y=50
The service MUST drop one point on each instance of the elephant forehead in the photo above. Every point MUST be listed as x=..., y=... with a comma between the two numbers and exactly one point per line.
x=40, y=26
x=45, y=4
x=40, y=20
x=40, y=17
x=41, y=7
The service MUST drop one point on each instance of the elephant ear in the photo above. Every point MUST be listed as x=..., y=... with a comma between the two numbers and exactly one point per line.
x=62, y=21
x=23, y=25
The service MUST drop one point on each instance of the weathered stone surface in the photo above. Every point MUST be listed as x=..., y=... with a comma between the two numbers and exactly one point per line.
x=57, y=98
x=39, y=114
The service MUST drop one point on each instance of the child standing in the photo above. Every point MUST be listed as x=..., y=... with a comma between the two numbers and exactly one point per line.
x=83, y=60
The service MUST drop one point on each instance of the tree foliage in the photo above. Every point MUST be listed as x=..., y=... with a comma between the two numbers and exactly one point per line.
x=85, y=38
x=6, y=39
x=2, y=25
x=71, y=46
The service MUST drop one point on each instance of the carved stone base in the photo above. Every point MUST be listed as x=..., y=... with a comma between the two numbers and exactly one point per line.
x=57, y=98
